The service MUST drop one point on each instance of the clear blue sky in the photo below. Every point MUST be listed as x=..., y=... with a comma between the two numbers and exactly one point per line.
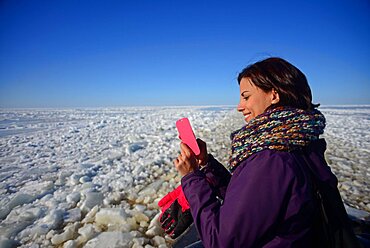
x=118, y=53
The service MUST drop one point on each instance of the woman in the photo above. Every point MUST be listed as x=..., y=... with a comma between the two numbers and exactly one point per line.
x=268, y=201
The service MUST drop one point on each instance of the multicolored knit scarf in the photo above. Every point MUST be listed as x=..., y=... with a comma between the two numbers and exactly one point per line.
x=281, y=128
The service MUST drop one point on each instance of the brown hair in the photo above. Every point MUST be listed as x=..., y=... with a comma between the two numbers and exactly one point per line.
x=285, y=78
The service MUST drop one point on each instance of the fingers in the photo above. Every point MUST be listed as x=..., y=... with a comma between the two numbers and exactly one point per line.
x=171, y=227
x=178, y=162
x=174, y=221
x=186, y=161
x=163, y=217
x=179, y=229
x=167, y=221
x=182, y=224
x=185, y=150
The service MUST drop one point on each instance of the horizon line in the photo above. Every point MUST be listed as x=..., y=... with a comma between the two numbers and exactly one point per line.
x=161, y=106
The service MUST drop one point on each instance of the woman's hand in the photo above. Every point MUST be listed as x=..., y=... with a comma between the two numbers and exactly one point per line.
x=186, y=162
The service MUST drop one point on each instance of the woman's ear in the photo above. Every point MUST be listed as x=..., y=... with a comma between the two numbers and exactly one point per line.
x=275, y=98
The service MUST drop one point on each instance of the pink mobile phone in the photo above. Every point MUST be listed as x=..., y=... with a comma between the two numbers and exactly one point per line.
x=186, y=134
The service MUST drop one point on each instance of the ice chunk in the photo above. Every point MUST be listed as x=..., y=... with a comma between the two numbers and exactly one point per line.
x=92, y=199
x=51, y=221
x=158, y=240
x=111, y=216
x=9, y=230
x=131, y=223
x=7, y=243
x=147, y=199
x=60, y=238
x=87, y=232
x=155, y=228
x=70, y=244
x=152, y=188
x=114, y=198
x=136, y=146
x=33, y=230
x=86, y=165
x=111, y=240
x=356, y=214
x=72, y=215
x=38, y=188
x=90, y=216
x=18, y=200
x=73, y=197
x=140, y=216
x=143, y=224
x=138, y=169
x=148, y=191
x=140, y=241
x=85, y=179
x=140, y=208
x=75, y=179
x=54, y=218
x=18, y=220
x=68, y=234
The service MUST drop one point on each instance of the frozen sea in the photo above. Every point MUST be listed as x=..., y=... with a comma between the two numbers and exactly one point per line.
x=76, y=177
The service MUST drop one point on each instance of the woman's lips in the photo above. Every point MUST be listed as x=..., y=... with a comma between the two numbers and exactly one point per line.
x=246, y=116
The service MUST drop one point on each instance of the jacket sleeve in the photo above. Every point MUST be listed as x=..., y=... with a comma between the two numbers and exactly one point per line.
x=217, y=176
x=258, y=191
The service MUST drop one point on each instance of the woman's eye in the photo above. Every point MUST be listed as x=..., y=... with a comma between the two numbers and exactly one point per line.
x=246, y=97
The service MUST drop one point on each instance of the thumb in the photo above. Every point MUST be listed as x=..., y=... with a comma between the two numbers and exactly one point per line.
x=203, y=156
x=201, y=143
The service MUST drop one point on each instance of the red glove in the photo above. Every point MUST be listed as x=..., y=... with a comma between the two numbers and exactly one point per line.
x=168, y=199
x=175, y=217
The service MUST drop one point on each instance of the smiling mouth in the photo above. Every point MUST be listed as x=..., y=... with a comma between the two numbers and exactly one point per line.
x=246, y=116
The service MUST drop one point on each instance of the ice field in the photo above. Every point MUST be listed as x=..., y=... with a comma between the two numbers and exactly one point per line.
x=73, y=177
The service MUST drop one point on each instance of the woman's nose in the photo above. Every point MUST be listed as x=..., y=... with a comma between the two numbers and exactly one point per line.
x=239, y=107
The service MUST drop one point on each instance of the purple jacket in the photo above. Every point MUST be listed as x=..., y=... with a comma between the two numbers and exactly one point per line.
x=268, y=201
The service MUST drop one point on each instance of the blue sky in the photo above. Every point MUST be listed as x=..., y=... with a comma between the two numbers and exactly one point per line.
x=130, y=53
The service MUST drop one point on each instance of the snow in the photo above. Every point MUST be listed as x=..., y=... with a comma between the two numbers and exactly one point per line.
x=93, y=177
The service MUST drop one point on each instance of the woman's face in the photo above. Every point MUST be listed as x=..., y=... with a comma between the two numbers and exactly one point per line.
x=253, y=100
